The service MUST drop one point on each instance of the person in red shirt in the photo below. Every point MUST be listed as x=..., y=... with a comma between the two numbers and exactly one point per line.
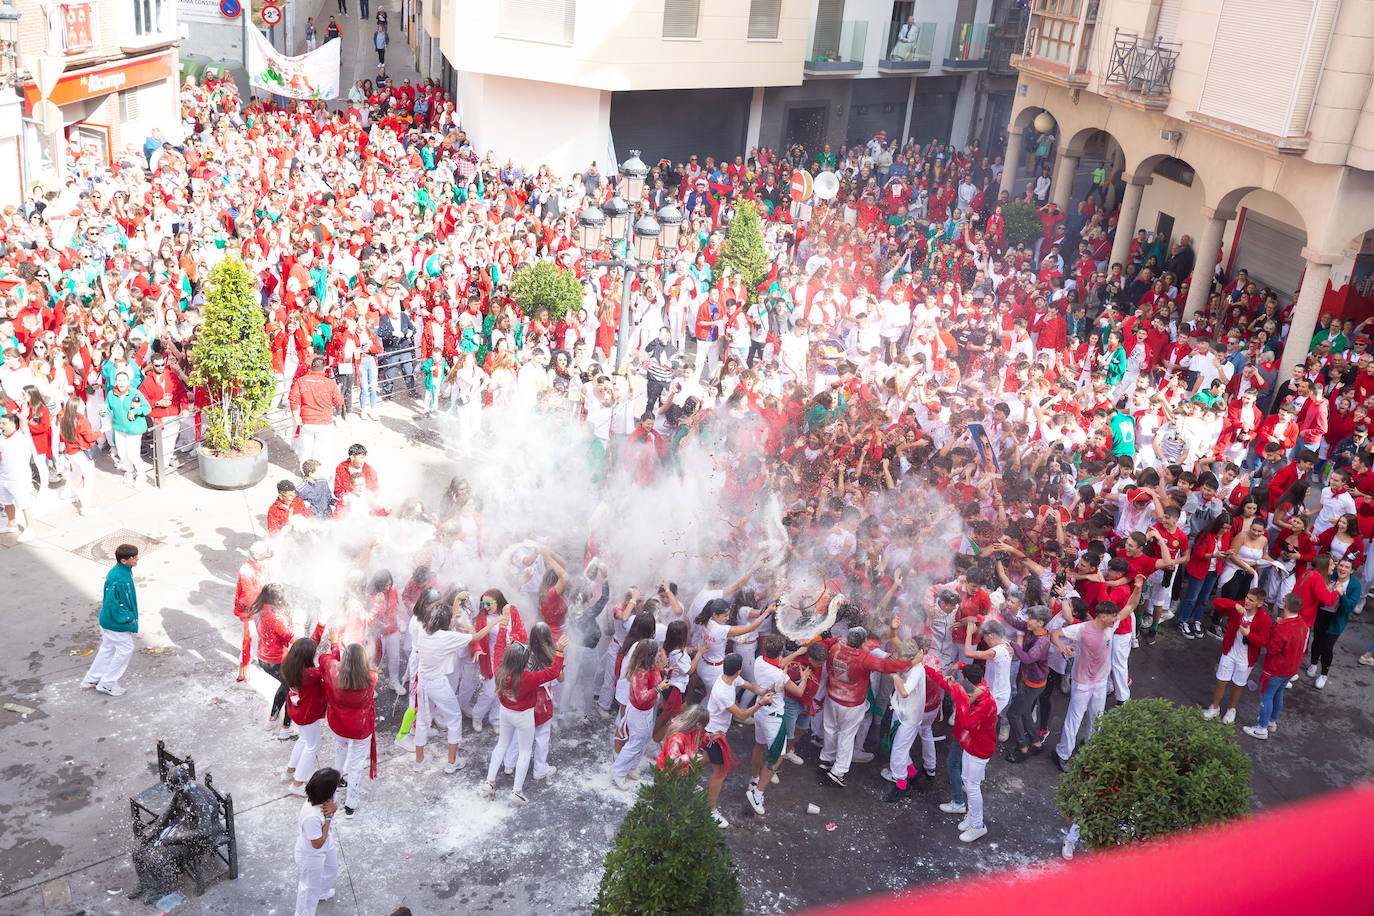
x=1169, y=547
x=305, y=702
x=1247, y=632
x=285, y=507
x=350, y=687
x=975, y=730
x=355, y=463
x=846, y=701
x=518, y=689
x=1282, y=658
x=313, y=398
x=274, y=638
x=644, y=674
x=252, y=578
x=1290, y=475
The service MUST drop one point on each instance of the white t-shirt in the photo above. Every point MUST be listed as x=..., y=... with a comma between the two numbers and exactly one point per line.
x=438, y=652
x=771, y=676
x=678, y=663
x=999, y=676
x=908, y=709
x=716, y=636
x=309, y=826
x=718, y=704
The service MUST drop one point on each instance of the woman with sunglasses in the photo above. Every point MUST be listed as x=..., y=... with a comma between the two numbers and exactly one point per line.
x=500, y=623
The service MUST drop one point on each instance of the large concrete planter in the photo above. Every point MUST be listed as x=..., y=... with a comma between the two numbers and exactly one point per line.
x=233, y=472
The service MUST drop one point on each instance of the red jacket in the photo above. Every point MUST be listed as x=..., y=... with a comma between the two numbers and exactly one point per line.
x=252, y=577
x=530, y=682
x=314, y=397
x=279, y=515
x=1287, y=639
x=85, y=437
x=274, y=638
x=307, y=703
x=975, y=721
x=350, y=713
x=170, y=387
x=488, y=661
x=1280, y=482
x=1314, y=592
x=847, y=673
x=343, y=478
x=644, y=689
x=1260, y=628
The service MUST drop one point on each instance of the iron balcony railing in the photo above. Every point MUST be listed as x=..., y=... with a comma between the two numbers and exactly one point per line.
x=1140, y=65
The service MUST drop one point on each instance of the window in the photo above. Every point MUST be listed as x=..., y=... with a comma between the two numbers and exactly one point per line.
x=537, y=20
x=763, y=18
x=680, y=18
x=1175, y=170
x=128, y=105
x=150, y=16
x=1055, y=30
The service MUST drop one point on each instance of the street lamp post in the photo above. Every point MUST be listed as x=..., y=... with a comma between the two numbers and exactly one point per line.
x=9, y=50
x=639, y=230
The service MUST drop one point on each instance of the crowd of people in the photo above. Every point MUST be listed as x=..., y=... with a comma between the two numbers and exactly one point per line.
x=906, y=386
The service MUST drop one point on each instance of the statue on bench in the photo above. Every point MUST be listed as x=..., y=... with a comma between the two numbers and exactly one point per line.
x=179, y=840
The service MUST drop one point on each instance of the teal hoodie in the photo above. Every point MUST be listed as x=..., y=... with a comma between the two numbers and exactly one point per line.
x=119, y=607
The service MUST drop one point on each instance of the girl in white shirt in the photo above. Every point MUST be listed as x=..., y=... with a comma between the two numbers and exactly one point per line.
x=444, y=636
x=316, y=855
x=715, y=620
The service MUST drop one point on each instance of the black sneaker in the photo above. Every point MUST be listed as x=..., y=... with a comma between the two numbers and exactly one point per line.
x=894, y=795
x=1037, y=749
x=837, y=779
x=1060, y=763
x=349, y=812
x=1016, y=755
x=824, y=765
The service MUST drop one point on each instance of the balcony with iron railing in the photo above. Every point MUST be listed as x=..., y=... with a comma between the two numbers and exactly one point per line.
x=907, y=47
x=1059, y=41
x=1140, y=70
x=837, y=47
x=969, y=43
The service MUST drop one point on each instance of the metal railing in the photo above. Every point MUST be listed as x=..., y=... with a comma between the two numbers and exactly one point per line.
x=1140, y=65
x=172, y=450
x=968, y=44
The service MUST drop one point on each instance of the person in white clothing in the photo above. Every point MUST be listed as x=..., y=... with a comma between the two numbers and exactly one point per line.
x=721, y=710
x=437, y=648
x=714, y=619
x=769, y=739
x=316, y=855
x=908, y=712
x=1336, y=501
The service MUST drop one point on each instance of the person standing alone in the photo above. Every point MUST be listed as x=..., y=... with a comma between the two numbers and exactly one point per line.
x=380, y=39
x=118, y=624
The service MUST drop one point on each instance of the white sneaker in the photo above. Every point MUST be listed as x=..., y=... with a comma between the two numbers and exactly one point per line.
x=1135, y=644
x=1291, y=682
x=1321, y=681
x=965, y=824
x=794, y=757
x=624, y=785
x=720, y=819
x=951, y=807
x=476, y=727
x=519, y=798
x=1003, y=731
x=1211, y=712
x=887, y=774
x=285, y=734
x=548, y=774
x=510, y=771
x=486, y=788
x=1273, y=728
x=755, y=801
x=1066, y=850
x=1311, y=670
x=457, y=764
x=87, y=685
x=111, y=690
x=973, y=833
x=417, y=766
x=25, y=535
x=774, y=780
x=297, y=789
x=1254, y=731
x=861, y=757
x=1165, y=618
x=1229, y=718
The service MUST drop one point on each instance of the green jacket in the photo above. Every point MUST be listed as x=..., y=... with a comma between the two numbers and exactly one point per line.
x=119, y=606
x=119, y=407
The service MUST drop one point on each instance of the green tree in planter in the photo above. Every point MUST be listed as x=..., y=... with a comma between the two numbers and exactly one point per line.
x=546, y=286
x=232, y=360
x=669, y=857
x=1151, y=768
x=744, y=251
x=1020, y=223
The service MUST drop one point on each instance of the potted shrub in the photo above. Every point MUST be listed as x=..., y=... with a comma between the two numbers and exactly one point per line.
x=670, y=856
x=1152, y=768
x=232, y=363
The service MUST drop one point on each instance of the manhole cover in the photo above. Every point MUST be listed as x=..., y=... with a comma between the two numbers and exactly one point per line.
x=103, y=550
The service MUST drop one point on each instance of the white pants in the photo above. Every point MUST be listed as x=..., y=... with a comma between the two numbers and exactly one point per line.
x=352, y=758
x=127, y=447
x=608, y=675
x=318, y=874
x=436, y=694
x=520, y=727
x=391, y=651
x=900, y=758
x=709, y=674
x=170, y=433
x=486, y=709
x=1083, y=698
x=708, y=355
x=973, y=769
x=539, y=763
x=302, y=762
x=315, y=441
x=467, y=680
x=639, y=728
x=1121, y=657
x=80, y=480
x=841, y=726
x=928, y=738
x=112, y=659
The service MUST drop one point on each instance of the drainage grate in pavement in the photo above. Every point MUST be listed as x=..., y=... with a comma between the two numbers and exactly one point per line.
x=103, y=550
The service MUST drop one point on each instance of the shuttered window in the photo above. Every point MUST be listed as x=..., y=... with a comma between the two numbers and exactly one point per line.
x=680, y=18
x=1166, y=26
x=763, y=18
x=1271, y=253
x=1266, y=60
x=538, y=20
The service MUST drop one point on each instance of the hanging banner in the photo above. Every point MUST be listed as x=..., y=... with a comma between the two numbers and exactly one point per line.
x=309, y=76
